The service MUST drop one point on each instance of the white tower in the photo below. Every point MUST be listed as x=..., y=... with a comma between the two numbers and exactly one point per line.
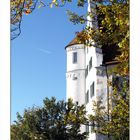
x=75, y=75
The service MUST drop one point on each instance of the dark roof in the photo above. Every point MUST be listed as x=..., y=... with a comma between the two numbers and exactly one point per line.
x=109, y=53
x=75, y=40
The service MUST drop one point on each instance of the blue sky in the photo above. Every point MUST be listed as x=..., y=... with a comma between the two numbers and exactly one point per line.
x=38, y=57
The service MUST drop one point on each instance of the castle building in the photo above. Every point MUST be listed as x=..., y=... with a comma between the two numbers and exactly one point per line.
x=87, y=75
x=83, y=83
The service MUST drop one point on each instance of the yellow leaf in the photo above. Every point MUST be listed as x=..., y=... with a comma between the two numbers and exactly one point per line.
x=51, y=5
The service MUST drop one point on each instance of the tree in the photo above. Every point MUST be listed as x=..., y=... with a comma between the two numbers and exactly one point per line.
x=113, y=28
x=18, y=8
x=117, y=126
x=21, y=7
x=56, y=120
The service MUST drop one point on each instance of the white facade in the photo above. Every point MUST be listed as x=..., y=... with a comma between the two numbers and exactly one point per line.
x=76, y=73
x=86, y=79
x=84, y=87
x=96, y=57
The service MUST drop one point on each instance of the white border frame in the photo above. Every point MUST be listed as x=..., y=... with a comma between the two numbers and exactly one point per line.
x=5, y=69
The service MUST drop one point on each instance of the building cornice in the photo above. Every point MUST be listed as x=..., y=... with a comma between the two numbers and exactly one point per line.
x=75, y=47
x=75, y=70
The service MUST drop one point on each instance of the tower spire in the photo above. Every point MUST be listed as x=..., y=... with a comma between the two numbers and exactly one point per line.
x=91, y=18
